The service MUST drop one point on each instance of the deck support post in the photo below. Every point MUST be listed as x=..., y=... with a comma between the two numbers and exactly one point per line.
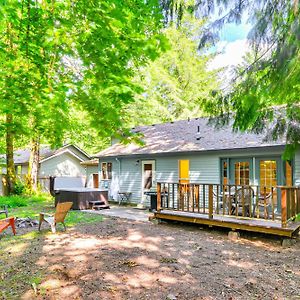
x=210, y=201
x=158, y=197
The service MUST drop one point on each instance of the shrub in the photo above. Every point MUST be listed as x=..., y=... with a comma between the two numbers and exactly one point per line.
x=19, y=188
x=20, y=201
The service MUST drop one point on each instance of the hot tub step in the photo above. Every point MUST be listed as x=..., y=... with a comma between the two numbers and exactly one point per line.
x=101, y=206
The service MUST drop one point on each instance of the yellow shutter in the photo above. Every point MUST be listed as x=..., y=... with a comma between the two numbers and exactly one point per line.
x=184, y=167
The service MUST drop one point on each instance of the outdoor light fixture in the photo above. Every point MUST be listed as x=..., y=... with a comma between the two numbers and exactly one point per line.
x=137, y=162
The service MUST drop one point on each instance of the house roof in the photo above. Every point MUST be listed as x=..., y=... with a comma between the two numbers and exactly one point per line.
x=193, y=135
x=21, y=156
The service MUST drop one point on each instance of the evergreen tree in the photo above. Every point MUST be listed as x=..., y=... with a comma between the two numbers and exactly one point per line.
x=264, y=94
x=176, y=83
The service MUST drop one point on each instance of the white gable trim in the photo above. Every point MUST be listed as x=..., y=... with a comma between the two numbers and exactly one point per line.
x=60, y=153
x=80, y=150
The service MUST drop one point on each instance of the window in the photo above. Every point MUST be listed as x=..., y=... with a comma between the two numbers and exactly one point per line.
x=224, y=174
x=106, y=170
x=242, y=173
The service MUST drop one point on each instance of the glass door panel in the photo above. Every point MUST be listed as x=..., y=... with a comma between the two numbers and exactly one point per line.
x=267, y=176
x=241, y=172
x=268, y=173
x=147, y=176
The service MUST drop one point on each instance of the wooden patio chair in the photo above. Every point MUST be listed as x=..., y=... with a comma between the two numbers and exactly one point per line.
x=59, y=216
x=5, y=223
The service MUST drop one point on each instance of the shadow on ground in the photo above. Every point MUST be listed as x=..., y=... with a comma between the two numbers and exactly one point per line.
x=121, y=259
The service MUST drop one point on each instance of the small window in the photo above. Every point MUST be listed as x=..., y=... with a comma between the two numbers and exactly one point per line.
x=106, y=170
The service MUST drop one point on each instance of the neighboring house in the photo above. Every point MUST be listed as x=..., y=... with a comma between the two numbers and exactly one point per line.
x=191, y=151
x=65, y=161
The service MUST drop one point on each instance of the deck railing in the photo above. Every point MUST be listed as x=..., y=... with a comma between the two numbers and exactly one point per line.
x=255, y=202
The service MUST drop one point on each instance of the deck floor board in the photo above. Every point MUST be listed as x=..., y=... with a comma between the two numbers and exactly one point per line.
x=255, y=225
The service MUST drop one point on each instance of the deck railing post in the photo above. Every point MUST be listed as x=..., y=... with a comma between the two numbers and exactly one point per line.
x=283, y=207
x=210, y=201
x=158, y=196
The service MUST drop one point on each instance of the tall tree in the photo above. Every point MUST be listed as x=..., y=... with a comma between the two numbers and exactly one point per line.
x=42, y=41
x=177, y=82
x=264, y=94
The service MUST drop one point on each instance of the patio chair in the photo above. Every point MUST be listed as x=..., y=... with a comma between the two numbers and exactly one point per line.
x=4, y=210
x=243, y=198
x=59, y=216
x=264, y=202
x=5, y=223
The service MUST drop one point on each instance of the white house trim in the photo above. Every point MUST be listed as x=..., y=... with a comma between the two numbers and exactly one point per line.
x=60, y=153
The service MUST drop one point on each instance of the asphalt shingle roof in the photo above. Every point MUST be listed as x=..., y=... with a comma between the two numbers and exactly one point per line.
x=187, y=136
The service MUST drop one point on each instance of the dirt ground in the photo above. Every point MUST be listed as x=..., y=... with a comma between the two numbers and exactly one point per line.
x=122, y=259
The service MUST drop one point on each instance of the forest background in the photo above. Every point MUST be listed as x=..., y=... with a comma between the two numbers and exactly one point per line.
x=82, y=72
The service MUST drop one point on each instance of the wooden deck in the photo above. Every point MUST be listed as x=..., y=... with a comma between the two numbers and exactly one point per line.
x=232, y=222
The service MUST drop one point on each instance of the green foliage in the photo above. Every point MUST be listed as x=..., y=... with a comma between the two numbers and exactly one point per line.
x=22, y=201
x=177, y=82
x=61, y=56
x=264, y=93
x=19, y=188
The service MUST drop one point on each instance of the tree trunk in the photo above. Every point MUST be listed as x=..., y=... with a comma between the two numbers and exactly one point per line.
x=33, y=168
x=10, y=166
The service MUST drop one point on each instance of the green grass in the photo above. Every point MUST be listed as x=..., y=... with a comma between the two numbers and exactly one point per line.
x=21, y=201
x=31, y=206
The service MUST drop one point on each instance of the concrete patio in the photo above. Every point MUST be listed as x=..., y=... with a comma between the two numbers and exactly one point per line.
x=123, y=212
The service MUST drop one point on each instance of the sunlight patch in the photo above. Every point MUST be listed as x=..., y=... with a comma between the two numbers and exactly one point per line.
x=241, y=264
x=17, y=248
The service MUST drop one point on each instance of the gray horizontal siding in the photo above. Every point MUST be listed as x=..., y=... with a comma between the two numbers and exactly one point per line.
x=131, y=179
x=62, y=165
x=90, y=170
x=204, y=168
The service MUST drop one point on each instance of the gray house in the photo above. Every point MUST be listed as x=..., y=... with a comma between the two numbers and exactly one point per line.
x=191, y=151
x=64, y=161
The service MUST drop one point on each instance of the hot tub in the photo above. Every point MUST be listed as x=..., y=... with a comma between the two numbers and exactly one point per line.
x=81, y=197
